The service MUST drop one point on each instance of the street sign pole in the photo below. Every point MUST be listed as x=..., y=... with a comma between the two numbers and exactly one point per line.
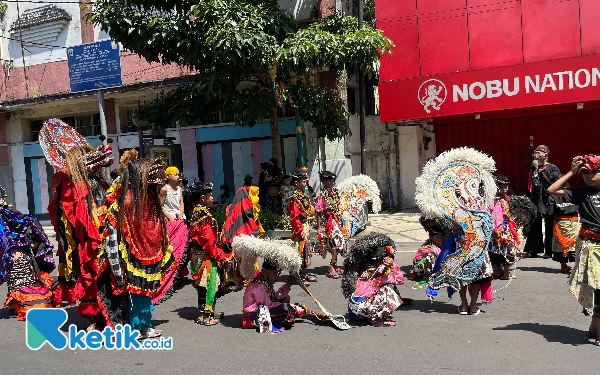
x=103, y=129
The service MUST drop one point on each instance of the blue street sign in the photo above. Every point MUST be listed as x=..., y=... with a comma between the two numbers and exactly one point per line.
x=94, y=66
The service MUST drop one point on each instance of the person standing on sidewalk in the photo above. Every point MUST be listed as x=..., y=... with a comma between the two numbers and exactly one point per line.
x=541, y=175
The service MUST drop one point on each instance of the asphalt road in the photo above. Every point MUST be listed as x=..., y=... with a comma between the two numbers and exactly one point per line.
x=533, y=326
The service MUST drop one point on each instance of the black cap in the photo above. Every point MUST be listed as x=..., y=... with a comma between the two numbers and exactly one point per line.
x=327, y=175
x=380, y=253
x=437, y=225
x=201, y=188
x=299, y=176
x=265, y=166
x=502, y=180
x=270, y=265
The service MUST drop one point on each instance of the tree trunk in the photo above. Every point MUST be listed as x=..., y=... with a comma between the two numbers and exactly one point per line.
x=275, y=137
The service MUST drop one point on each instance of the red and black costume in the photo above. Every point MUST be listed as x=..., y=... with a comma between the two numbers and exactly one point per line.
x=207, y=256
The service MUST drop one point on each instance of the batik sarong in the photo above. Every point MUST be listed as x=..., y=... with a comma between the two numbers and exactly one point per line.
x=585, y=277
x=380, y=306
x=566, y=230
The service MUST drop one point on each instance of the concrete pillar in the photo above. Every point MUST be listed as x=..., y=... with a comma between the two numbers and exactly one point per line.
x=87, y=28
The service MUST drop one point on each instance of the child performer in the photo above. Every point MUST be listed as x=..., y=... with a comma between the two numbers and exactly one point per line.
x=262, y=303
x=301, y=211
x=207, y=256
x=505, y=238
x=329, y=220
x=585, y=280
x=370, y=279
x=566, y=229
x=424, y=261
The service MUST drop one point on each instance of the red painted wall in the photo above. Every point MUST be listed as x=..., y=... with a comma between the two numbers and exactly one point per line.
x=445, y=36
x=507, y=140
x=53, y=78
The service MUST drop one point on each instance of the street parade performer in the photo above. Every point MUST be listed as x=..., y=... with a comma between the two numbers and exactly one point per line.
x=301, y=212
x=264, y=307
x=355, y=193
x=171, y=196
x=438, y=229
x=136, y=253
x=584, y=281
x=26, y=261
x=370, y=279
x=330, y=230
x=207, y=256
x=78, y=192
x=242, y=214
x=242, y=219
x=459, y=185
x=506, y=241
x=566, y=230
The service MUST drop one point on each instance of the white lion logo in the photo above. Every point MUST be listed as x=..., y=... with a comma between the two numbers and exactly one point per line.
x=432, y=93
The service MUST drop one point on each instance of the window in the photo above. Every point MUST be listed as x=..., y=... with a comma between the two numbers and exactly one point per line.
x=351, y=92
x=36, y=126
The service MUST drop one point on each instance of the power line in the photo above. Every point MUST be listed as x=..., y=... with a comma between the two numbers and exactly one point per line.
x=50, y=46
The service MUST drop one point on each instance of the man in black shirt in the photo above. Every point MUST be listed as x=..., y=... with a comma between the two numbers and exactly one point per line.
x=541, y=175
x=584, y=281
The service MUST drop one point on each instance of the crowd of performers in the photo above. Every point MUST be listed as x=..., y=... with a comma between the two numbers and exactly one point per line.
x=123, y=246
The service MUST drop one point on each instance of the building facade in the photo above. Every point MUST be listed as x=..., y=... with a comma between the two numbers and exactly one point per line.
x=34, y=86
x=502, y=77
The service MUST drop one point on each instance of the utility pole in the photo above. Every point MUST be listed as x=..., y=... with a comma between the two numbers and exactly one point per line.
x=103, y=129
x=362, y=100
x=140, y=130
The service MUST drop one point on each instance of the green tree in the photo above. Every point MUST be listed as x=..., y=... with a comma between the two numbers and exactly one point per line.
x=248, y=57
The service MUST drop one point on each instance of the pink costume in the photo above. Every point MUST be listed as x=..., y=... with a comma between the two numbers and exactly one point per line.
x=257, y=294
x=498, y=215
x=374, y=299
x=368, y=288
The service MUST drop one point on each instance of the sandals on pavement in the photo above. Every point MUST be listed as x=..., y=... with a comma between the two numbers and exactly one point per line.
x=207, y=321
x=333, y=275
x=461, y=312
x=151, y=333
x=475, y=313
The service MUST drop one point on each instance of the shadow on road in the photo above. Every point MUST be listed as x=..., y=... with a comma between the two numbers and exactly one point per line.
x=552, y=333
x=539, y=269
x=4, y=313
x=187, y=313
x=73, y=317
x=437, y=307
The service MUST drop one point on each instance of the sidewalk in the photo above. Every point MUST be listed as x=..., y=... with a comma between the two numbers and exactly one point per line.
x=402, y=227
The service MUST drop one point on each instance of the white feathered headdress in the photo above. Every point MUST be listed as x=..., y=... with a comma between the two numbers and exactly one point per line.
x=438, y=174
x=280, y=252
x=367, y=183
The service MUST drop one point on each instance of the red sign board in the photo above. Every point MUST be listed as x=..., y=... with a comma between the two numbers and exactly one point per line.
x=518, y=86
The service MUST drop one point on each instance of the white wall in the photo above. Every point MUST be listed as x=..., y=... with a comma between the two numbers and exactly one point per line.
x=70, y=36
x=300, y=9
